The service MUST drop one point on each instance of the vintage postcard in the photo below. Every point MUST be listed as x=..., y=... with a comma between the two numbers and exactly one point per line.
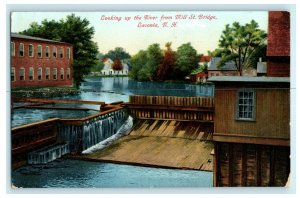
x=150, y=99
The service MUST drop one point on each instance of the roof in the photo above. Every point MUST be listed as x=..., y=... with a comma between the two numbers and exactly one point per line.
x=249, y=79
x=213, y=65
x=204, y=59
x=15, y=35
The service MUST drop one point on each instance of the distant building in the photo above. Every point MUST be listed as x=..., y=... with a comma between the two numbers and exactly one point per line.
x=108, y=70
x=229, y=69
x=252, y=118
x=38, y=62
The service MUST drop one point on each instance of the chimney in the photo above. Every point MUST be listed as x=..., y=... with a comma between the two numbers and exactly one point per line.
x=260, y=59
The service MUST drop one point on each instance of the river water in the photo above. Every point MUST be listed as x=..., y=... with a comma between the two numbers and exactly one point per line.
x=66, y=173
x=109, y=89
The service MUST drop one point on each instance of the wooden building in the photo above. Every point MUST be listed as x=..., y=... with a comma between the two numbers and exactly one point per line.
x=38, y=62
x=252, y=119
x=252, y=131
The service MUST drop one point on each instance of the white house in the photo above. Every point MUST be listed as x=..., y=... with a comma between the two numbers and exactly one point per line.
x=108, y=70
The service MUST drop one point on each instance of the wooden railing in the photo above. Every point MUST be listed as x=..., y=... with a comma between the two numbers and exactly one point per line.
x=199, y=109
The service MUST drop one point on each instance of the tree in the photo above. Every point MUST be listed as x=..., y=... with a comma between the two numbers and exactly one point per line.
x=117, y=65
x=138, y=62
x=154, y=58
x=98, y=67
x=118, y=52
x=186, y=60
x=75, y=31
x=238, y=43
x=166, y=68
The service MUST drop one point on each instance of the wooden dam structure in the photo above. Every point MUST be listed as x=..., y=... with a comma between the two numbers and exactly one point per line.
x=180, y=132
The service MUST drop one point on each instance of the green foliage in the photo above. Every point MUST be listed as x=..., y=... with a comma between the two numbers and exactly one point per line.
x=117, y=53
x=201, y=68
x=239, y=43
x=153, y=64
x=98, y=66
x=75, y=31
x=186, y=60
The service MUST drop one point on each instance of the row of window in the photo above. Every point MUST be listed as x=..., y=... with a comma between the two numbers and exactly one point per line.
x=40, y=73
x=39, y=50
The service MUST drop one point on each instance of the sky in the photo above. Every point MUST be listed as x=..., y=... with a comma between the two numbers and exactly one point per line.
x=116, y=29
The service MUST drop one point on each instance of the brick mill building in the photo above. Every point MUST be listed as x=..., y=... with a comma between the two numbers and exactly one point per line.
x=38, y=62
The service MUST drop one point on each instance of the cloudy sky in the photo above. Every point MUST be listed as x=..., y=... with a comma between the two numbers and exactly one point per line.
x=202, y=33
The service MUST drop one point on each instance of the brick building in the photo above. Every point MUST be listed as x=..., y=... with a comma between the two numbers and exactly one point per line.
x=278, y=49
x=38, y=62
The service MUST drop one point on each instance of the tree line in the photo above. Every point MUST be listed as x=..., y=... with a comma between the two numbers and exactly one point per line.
x=155, y=63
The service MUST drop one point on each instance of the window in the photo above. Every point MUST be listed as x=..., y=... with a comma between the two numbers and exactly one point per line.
x=40, y=72
x=68, y=53
x=61, y=52
x=31, y=73
x=47, y=52
x=62, y=73
x=39, y=51
x=12, y=48
x=13, y=74
x=68, y=73
x=54, y=73
x=21, y=49
x=22, y=73
x=47, y=73
x=30, y=50
x=54, y=52
x=246, y=105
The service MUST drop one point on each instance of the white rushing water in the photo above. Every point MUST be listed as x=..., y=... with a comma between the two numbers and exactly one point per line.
x=124, y=130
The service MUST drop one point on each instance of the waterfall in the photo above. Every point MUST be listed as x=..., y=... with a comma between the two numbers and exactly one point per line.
x=48, y=154
x=93, y=131
x=123, y=130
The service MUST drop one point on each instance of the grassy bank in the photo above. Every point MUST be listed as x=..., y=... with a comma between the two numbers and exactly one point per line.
x=43, y=92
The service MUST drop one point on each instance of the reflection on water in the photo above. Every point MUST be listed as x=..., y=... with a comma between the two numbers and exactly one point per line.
x=110, y=89
x=73, y=173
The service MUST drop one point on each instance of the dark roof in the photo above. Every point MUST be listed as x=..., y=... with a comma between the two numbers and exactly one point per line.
x=213, y=65
x=248, y=79
x=15, y=35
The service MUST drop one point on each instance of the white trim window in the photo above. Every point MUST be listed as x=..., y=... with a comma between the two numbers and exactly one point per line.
x=22, y=73
x=31, y=73
x=12, y=49
x=68, y=73
x=47, y=73
x=30, y=50
x=68, y=53
x=61, y=52
x=62, y=73
x=13, y=74
x=40, y=73
x=246, y=105
x=54, y=52
x=54, y=74
x=21, y=49
x=47, y=52
x=39, y=51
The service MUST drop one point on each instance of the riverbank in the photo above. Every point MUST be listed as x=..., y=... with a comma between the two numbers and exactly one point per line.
x=44, y=92
x=163, y=144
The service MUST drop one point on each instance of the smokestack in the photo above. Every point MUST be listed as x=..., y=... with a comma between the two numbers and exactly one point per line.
x=260, y=59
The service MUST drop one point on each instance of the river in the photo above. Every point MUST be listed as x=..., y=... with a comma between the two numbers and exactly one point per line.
x=66, y=173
